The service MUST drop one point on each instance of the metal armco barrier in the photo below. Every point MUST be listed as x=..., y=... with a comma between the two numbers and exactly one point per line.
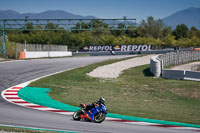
x=173, y=74
x=192, y=74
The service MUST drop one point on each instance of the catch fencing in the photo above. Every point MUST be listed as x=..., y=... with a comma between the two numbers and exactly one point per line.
x=24, y=51
x=183, y=57
x=40, y=47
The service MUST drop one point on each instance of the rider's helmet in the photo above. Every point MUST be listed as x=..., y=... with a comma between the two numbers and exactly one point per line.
x=102, y=100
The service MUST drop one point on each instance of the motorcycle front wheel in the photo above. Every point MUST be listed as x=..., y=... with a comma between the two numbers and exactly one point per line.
x=76, y=115
x=100, y=117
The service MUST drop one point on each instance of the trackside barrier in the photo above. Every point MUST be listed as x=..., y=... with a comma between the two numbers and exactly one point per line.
x=178, y=58
x=43, y=54
x=40, y=47
x=157, y=64
x=22, y=55
x=173, y=74
x=27, y=51
x=180, y=74
x=192, y=74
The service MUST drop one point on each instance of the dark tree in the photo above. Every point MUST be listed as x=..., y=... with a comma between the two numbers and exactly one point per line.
x=181, y=31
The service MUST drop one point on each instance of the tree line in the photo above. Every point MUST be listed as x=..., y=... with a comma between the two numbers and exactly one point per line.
x=150, y=31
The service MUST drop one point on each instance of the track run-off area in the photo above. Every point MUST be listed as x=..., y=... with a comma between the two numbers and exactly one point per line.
x=17, y=72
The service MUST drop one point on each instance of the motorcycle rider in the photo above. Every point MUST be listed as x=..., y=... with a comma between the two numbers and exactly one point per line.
x=90, y=106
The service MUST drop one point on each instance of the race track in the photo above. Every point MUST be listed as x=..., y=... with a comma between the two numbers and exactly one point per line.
x=13, y=73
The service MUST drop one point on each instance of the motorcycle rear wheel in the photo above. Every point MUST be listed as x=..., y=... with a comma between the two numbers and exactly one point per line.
x=76, y=115
x=100, y=117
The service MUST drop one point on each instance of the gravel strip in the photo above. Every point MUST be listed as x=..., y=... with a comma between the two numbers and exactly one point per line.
x=115, y=69
x=187, y=67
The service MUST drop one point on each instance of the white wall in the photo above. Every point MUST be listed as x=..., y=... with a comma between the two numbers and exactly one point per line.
x=41, y=54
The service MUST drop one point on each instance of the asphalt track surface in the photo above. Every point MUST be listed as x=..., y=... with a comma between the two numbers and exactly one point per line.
x=16, y=72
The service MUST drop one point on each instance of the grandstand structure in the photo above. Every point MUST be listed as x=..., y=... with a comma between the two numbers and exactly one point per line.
x=62, y=24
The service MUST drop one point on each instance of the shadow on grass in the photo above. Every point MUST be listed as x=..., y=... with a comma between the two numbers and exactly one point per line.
x=147, y=72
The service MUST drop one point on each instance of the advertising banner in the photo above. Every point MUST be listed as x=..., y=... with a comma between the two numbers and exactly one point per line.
x=117, y=48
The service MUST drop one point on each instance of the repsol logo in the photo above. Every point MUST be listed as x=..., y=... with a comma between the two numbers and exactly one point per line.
x=135, y=47
x=118, y=48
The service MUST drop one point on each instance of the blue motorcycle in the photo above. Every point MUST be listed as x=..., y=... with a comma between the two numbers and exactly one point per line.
x=96, y=114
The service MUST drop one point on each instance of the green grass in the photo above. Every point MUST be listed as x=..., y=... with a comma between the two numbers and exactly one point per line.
x=135, y=93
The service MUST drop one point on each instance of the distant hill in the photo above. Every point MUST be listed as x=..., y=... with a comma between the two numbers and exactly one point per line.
x=189, y=17
x=50, y=14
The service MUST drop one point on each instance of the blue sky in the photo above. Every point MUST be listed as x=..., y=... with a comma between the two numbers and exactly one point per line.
x=139, y=9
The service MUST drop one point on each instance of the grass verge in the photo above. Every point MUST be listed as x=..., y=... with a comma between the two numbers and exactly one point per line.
x=135, y=93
